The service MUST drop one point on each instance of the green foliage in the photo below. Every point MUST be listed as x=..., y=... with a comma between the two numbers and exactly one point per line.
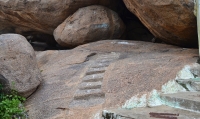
x=11, y=105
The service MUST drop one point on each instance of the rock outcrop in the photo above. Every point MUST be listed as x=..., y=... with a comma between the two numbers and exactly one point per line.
x=79, y=83
x=173, y=21
x=25, y=16
x=89, y=24
x=18, y=64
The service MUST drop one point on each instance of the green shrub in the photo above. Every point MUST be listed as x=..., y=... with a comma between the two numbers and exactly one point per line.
x=11, y=105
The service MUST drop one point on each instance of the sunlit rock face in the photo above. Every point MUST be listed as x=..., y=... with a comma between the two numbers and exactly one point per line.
x=89, y=24
x=25, y=16
x=173, y=21
x=18, y=64
x=80, y=83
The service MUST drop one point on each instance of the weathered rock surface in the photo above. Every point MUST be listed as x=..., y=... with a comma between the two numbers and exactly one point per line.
x=173, y=21
x=79, y=83
x=18, y=64
x=39, y=15
x=143, y=113
x=89, y=24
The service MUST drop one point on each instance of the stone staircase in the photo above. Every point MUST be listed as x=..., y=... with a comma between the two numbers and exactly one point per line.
x=89, y=91
x=182, y=105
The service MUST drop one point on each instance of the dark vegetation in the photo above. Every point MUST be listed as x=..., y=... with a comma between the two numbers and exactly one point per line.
x=11, y=106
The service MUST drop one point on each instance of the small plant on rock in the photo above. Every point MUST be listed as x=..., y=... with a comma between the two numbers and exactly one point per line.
x=11, y=105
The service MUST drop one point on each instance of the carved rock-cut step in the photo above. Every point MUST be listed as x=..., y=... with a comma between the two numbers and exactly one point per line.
x=112, y=55
x=184, y=100
x=87, y=94
x=109, y=56
x=95, y=70
x=104, y=60
x=90, y=85
x=86, y=103
x=93, y=78
x=99, y=65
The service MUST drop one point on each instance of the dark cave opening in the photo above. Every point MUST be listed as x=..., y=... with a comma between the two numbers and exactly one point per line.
x=135, y=30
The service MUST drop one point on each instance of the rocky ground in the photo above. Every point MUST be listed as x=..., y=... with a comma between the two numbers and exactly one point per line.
x=81, y=82
x=101, y=71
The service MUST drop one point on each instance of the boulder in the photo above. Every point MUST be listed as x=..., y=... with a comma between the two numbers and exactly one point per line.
x=18, y=64
x=25, y=16
x=173, y=21
x=89, y=24
x=103, y=74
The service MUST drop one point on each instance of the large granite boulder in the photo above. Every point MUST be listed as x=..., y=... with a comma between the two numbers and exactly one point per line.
x=173, y=21
x=25, y=16
x=18, y=64
x=80, y=83
x=89, y=24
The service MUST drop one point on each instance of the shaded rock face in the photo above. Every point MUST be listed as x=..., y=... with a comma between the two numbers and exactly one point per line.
x=4, y=85
x=45, y=38
x=89, y=24
x=18, y=64
x=22, y=16
x=100, y=75
x=173, y=21
x=135, y=30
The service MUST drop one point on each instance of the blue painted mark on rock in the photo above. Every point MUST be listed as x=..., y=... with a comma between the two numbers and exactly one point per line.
x=105, y=26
